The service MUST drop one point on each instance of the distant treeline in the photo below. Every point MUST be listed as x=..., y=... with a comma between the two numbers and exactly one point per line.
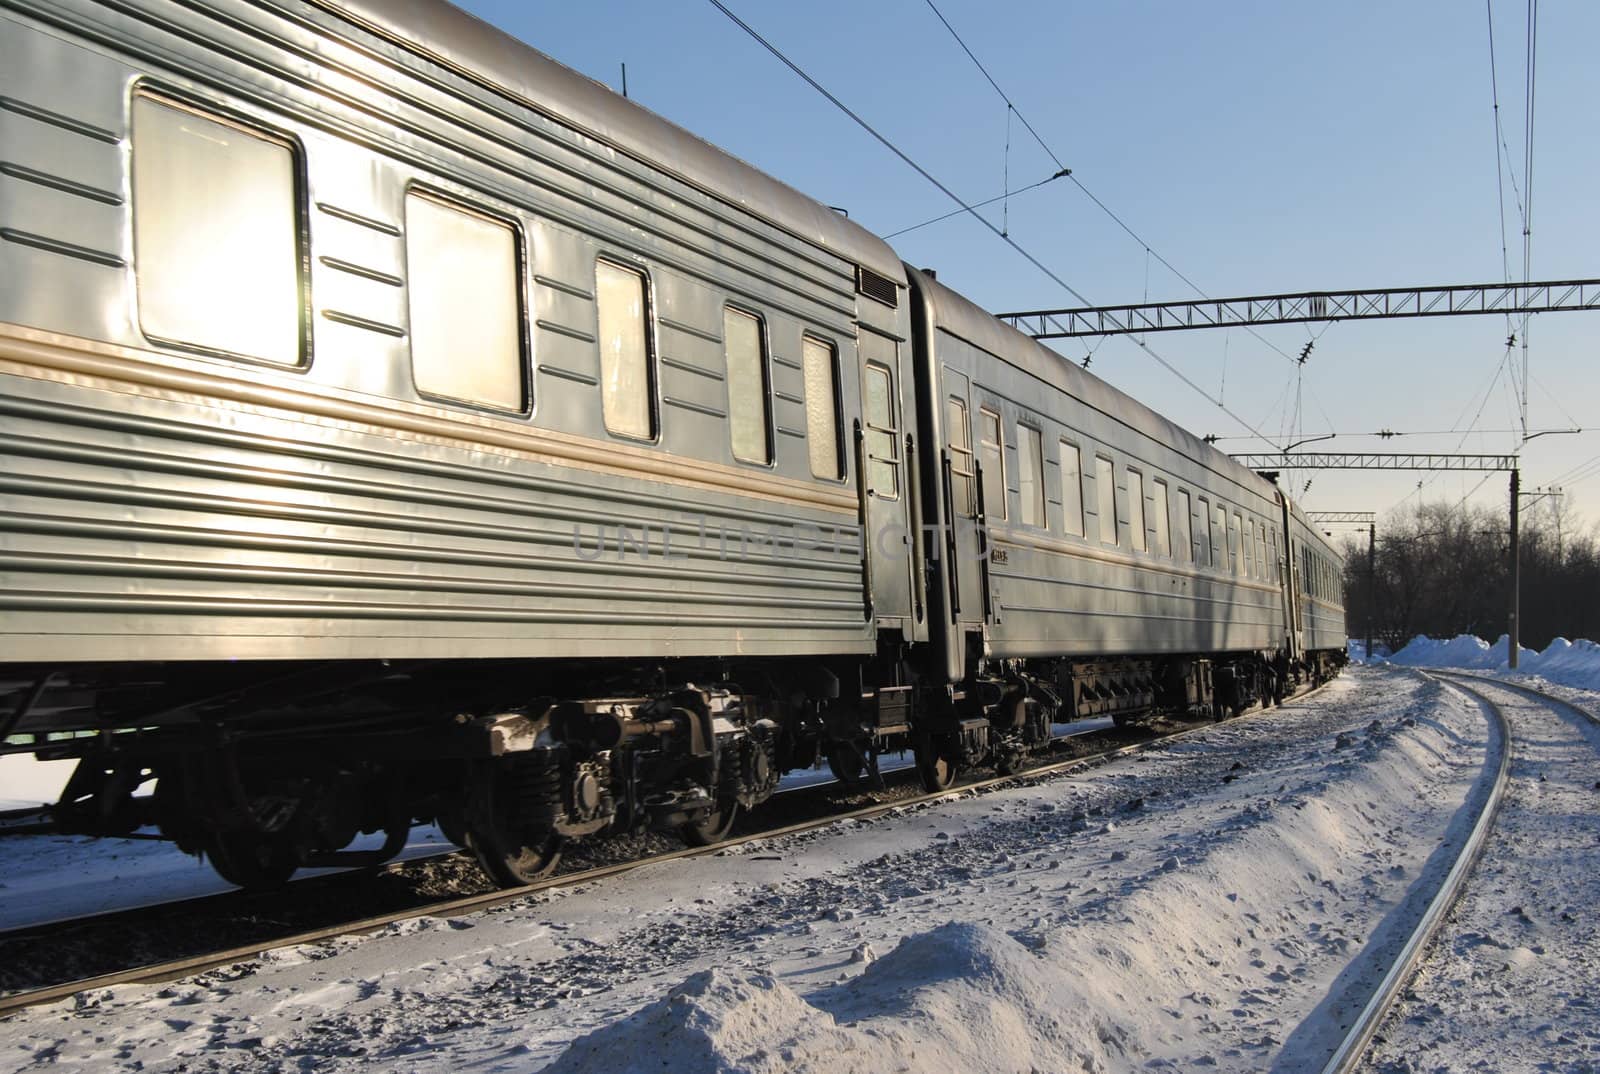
x=1442, y=570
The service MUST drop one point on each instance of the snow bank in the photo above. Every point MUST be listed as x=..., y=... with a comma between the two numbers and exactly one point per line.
x=958, y=998
x=1461, y=651
x=1571, y=663
x=1229, y=946
x=1356, y=650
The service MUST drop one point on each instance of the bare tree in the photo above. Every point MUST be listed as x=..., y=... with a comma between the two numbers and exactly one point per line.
x=1443, y=570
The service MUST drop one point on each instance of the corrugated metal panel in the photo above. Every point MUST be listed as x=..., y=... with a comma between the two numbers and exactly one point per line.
x=190, y=541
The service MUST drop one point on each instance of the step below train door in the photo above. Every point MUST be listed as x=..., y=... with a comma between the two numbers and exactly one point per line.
x=885, y=475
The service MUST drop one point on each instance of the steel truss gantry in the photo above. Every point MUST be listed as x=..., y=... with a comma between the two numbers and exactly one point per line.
x=1375, y=461
x=1267, y=465
x=1550, y=296
x=1342, y=518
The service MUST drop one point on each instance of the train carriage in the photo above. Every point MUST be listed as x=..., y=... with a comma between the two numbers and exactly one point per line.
x=399, y=425
x=1098, y=559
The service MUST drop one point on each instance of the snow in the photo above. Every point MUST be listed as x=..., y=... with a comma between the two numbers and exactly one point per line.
x=53, y=878
x=1569, y=663
x=1213, y=903
x=1511, y=982
x=960, y=997
x=25, y=782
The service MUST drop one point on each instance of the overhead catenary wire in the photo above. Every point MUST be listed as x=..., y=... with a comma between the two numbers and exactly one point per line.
x=1554, y=399
x=1488, y=393
x=1576, y=473
x=965, y=206
x=1525, y=212
x=1520, y=378
x=896, y=150
x=976, y=205
x=1527, y=187
x=1391, y=434
x=1499, y=139
x=1102, y=206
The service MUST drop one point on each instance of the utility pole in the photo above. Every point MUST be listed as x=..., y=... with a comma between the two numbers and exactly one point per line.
x=1372, y=583
x=1516, y=569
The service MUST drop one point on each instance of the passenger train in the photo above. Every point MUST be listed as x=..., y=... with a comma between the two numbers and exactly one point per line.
x=396, y=425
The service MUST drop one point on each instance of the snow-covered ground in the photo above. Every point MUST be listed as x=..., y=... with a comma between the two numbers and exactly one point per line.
x=45, y=879
x=1203, y=906
x=1570, y=663
x=1512, y=983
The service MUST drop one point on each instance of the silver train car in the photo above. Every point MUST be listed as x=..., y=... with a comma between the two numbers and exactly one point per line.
x=398, y=425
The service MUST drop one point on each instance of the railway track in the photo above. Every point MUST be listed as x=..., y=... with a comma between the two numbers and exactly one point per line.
x=1350, y=1053
x=172, y=969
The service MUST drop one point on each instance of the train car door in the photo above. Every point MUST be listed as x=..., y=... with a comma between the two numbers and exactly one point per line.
x=886, y=479
x=1293, y=640
x=964, y=545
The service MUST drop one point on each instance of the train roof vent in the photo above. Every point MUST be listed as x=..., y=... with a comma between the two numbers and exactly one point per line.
x=877, y=285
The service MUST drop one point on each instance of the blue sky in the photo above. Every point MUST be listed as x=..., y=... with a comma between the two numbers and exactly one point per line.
x=1258, y=147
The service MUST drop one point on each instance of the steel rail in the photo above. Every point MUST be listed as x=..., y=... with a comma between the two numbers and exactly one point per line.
x=183, y=967
x=1492, y=680
x=1351, y=1052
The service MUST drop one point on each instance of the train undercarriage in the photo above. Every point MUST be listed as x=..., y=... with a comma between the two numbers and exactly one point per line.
x=266, y=777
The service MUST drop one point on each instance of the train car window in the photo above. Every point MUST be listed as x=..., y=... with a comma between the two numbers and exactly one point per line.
x=1203, y=556
x=1219, y=538
x=1105, y=486
x=822, y=407
x=1264, y=572
x=1136, y=530
x=959, y=432
x=216, y=234
x=744, y=341
x=992, y=458
x=1277, y=564
x=622, y=302
x=1185, y=528
x=1247, y=547
x=1162, y=519
x=883, y=437
x=1233, y=543
x=1072, y=488
x=1030, y=475
x=465, y=303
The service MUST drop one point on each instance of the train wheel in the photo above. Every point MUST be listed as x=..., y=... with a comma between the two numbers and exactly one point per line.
x=252, y=860
x=512, y=851
x=938, y=761
x=713, y=827
x=514, y=858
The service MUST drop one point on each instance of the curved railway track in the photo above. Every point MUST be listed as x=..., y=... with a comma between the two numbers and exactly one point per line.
x=188, y=965
x=1351, y=1050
